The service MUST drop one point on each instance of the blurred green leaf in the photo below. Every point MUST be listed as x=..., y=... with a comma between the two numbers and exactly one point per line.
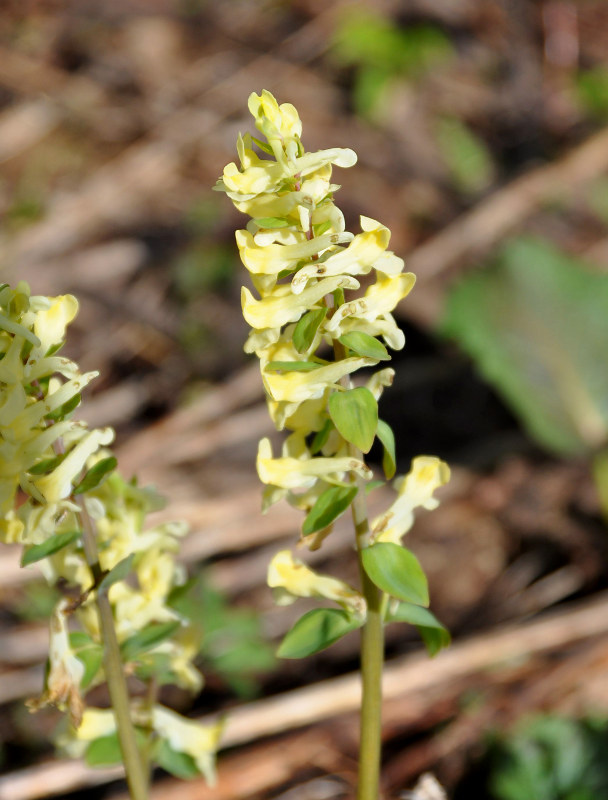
x=179, y=764
x=117, y=573
x=535, y=323
x=592, y=89
x=465, y=155
x=53, y=544
x=96, y=475
x=292, y=366
x=315, y=631
x=305, y=330
x=396, y=571
x=149, y=637
x=389, y=457
x=329, y=506
x=364, y=345
x=434, y=635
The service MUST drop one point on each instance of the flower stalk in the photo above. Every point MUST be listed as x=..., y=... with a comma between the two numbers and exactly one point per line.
x=311, y=334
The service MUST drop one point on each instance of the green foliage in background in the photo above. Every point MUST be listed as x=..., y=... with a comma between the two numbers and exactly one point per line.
x=551, y=758
x=465, y=155
x=381, y=50
x=592, y=90
x=536, y=325
x=233, y=645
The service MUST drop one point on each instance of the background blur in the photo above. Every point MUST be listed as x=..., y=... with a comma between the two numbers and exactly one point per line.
x=482, y=133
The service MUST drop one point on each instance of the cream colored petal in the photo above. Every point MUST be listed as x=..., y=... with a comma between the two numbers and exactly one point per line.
x=188, y=736
x=272, y=259
x=58, y=484
x=51, y=323
x=357, y=259
x=296, y=387
x=281, y=306
x=414, y=490
x=294, y=473
x=290, y=578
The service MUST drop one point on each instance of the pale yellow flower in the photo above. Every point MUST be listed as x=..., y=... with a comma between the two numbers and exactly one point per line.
x=295, y=473
x=414, y=490
x=290, y=578
x=190, y=737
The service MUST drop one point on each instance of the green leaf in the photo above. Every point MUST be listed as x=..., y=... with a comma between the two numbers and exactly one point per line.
x=65, y=409
x=535, y=323
x=365, y=345
x=328, y=507
x=292, y=366
x=315, y=631
x=149, y=637
x=465, y=155
x=52, y=545
x=263, y=146
x=355, y=415
x=389, y=459
x=104, y=752
x=179, y=764
x=305, y=330
x=434, y=635
x=396, y=571
x=95, y=475
x=46, y=465
x=89, y=652
x=272, y=222
x=117, y=573
x=321, y=437
x=321, y=228
x=371, y=485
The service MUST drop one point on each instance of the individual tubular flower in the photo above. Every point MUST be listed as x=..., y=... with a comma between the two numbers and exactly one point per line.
x=290, y=578
x=320, y=307
x=414, y=490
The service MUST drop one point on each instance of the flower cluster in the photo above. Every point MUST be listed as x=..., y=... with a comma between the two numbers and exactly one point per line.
x=56, y=477
x=323, y=311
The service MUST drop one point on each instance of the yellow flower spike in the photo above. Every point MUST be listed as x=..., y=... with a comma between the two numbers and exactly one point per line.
x=65, y=671
x=281, y=306
x=290, y=578
x=189, y=737
x=294, y=473
x=414, y=490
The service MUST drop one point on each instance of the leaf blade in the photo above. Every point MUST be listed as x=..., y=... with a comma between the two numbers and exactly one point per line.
x=396, y=571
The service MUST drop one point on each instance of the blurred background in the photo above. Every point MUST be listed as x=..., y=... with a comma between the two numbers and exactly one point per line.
x=482, y=133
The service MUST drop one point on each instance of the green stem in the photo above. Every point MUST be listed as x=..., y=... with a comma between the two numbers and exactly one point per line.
x=372, y=638
x=136, y=773
x=372, y=657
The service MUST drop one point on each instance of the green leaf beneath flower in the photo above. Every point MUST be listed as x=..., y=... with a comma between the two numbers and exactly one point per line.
x=105, y=751
x=364, y=345
x=95, y=475
x=179, y=764
x=151, y=636
x=117, y=573
x=434, y=635
x=52, y=545
x=389, y=458
x=292, y=366
x=315, y=631
x=89, y=652
x=321, y=228
x=321, y=437
x=272, y=222
x=65, y=409
x=47, y=465
x=396, y=571
x=305, y=330
x=355, y=415
x=328, y=507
